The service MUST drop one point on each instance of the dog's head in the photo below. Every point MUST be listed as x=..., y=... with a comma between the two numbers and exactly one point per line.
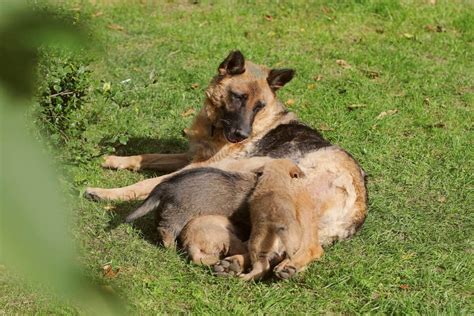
x=241, y=93
x=285, y=167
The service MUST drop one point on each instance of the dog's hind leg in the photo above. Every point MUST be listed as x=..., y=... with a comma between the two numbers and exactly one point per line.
x=259, y=270
x=160, y=162
x=137, y=191
x=167, y=236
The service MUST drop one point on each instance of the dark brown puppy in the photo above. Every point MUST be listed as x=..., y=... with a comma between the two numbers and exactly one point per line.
x=195, y=192
x=208, y=238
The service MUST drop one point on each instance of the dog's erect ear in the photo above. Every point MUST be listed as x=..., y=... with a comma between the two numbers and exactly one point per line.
x=296, y=172
x=277, y=78
x=234, y=64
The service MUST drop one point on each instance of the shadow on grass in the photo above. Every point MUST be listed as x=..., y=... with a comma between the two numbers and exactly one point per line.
x=135, y=146
x=146, y=145
x=146, y=224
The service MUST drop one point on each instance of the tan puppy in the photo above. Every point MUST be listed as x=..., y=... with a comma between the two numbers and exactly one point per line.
x=283, y=226
x=207, y=239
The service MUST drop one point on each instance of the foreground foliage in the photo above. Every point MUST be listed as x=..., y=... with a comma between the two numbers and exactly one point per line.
x=389, y=81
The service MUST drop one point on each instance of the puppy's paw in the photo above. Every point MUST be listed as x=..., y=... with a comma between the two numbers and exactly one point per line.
x=285, y=271
x=246, y=277
x=227, y=267
x=168, y=239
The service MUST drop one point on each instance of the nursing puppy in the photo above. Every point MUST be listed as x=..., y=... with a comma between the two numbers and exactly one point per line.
x=282, y=225
x=206, y=239
x=195, y=192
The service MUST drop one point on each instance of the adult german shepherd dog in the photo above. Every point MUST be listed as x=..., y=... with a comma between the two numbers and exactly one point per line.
x=241, y=126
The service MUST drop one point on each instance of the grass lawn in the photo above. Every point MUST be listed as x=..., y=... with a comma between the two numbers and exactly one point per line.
x=392, y=82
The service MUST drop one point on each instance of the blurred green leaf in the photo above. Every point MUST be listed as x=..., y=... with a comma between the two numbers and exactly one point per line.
x=22, y=31
x=35, y=233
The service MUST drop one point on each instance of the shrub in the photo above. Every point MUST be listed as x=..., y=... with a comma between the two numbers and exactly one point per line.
x=64, y=84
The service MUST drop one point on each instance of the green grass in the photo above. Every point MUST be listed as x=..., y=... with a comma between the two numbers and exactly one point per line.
x=414, y=253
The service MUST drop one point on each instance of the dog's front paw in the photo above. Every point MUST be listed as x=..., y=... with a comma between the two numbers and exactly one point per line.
x=100, y=194
x=284, y=271
x=92, y=194
x=228, y=267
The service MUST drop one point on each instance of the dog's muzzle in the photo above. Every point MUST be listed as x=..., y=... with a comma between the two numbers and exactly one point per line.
x=236, y=135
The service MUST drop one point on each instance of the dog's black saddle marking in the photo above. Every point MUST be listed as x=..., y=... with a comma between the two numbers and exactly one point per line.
x=291, y=140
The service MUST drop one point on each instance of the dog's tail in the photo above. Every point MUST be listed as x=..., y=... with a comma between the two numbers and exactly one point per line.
x=151, y=203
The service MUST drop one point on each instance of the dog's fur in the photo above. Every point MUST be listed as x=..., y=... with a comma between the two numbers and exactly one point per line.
x=208, y=238
x=196, y=192
x=283, y=225
x=241, y=105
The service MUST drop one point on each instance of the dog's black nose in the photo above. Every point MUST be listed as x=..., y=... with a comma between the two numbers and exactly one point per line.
x=241, y=134
x=236, y=135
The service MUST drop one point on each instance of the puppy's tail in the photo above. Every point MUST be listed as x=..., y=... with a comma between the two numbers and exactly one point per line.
x=151, y=203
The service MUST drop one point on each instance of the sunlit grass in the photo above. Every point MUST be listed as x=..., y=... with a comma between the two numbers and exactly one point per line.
x=411, y=60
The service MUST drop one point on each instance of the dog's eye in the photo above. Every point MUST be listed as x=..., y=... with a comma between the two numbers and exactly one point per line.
x=260, y=105
x=236, y=95
x=239, y=96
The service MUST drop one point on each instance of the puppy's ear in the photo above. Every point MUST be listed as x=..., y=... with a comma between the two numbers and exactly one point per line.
x=277, y=78
x=234, y=64
x=296, y=172
x=258, y=171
